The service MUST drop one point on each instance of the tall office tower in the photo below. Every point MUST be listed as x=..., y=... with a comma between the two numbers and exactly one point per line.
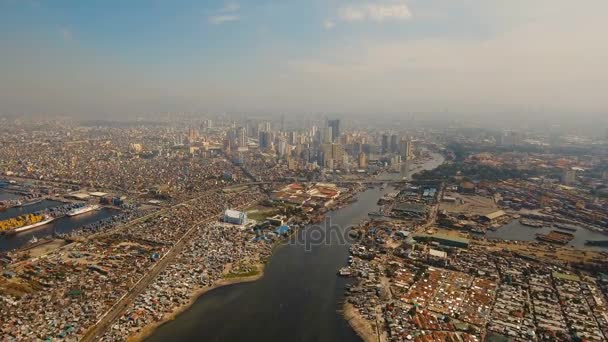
x=327, y=136
x=362, y=161
x=265, y=139
x=406, y=149
x=337, y=152
x=241, y=135
x=394, y=143
x=266, y=126
x=293, y=137
x=207, y=123
x=335, y=129
x=384, y=146
x=313, y=131
x=192, y=134
x=281, y=147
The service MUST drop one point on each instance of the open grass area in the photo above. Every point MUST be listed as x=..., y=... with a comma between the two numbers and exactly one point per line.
x=261, y=213
x=242, y=275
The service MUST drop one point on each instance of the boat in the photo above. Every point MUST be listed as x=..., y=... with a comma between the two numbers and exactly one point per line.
x=345, y=272
x=46, y=219
x=375, y=214
x=82, y=210
x=565, y=227
x=531, y=223
x=20, y=221
x=555, y=236
x=31, y=203
x=601, y=243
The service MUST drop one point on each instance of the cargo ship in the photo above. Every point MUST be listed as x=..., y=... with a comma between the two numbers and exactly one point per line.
x=82, y=210
x=30, y=221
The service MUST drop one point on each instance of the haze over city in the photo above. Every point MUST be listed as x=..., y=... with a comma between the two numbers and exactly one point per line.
x=307, y=171
x=473, y=58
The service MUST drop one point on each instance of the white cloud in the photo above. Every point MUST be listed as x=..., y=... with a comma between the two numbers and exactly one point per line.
x=329, y=24
x=375, y=12
x=220, y=19
x=542, y=63
x=228, y=13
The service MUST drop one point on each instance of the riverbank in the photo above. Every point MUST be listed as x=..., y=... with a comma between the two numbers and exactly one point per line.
x=198, y=292
x=359, y=324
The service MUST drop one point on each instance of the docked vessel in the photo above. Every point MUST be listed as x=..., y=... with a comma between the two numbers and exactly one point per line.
x=345, y=272
x=601, y=243
x=20, y=221
x=531, y=223
x=31, y=203
x=45, y=220
x=82, y=210
x=555, y=236
x=566, y=227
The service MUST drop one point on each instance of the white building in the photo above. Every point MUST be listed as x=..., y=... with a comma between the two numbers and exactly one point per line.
x=235, y=217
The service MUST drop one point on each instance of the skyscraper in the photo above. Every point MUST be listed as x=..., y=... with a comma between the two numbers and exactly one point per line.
x=327, y=136
x=362, y=161
x=335, y=129
x=394, y=143
x=265, y=139
x=406, y=149
x=241, y=136
x=384, y=146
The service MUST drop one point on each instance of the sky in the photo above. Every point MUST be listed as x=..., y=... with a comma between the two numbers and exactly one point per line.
x=544, y=58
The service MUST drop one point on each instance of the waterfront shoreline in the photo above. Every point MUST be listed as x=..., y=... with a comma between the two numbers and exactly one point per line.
x=149, y=330
x=359, y=324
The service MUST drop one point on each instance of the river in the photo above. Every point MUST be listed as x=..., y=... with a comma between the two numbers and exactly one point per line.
x=297, y=299
x=61, y=225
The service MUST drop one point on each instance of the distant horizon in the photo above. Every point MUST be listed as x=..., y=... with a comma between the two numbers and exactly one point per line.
x=457, y=59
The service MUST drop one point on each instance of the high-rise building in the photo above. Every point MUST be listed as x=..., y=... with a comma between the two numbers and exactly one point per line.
x=282, y=147
x=293, y=137
x=241, y=135
x=384, y=146
x=362, y=161
x=335, y=129
x=265, y=140
x=406, y=149
x=207, y=123
x=394, y=143
x=327, y=136
x=192, y=134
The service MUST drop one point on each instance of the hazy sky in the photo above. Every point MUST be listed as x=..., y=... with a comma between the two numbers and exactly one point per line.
x=386, y=56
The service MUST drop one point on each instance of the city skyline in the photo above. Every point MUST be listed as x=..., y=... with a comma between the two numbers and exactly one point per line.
x=447, y=59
